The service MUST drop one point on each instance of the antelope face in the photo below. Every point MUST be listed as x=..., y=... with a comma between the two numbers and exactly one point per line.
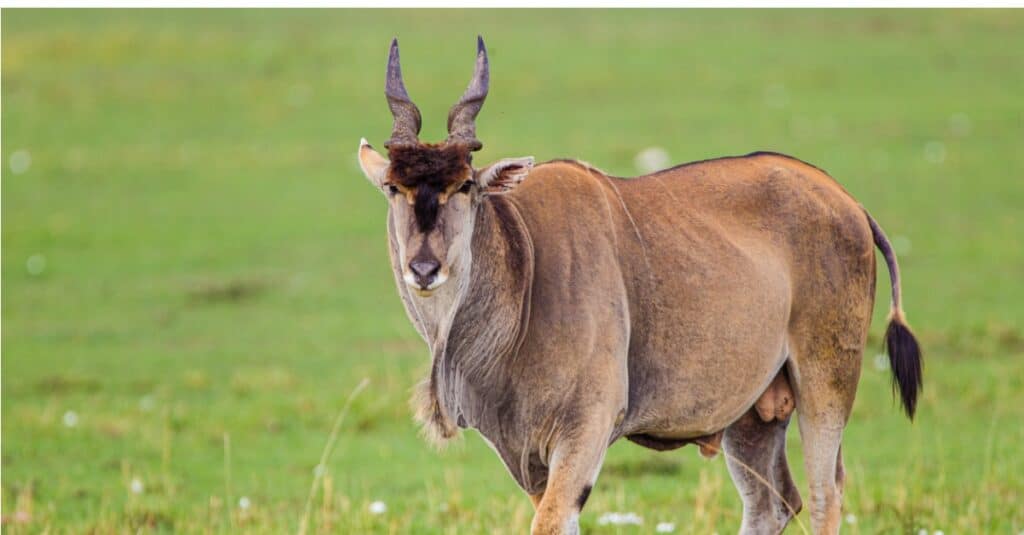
x=431, y=196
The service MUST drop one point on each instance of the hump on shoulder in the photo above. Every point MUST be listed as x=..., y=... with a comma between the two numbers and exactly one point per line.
x=563, y=177
x=564, y=194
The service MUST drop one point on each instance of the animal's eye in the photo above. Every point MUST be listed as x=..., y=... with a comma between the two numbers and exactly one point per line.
x=392, y=189
x=466, y=186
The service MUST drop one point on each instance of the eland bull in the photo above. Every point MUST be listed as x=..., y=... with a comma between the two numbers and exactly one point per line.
x=565, y=308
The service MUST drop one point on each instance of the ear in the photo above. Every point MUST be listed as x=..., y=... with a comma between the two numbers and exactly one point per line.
x=504, y=175
x=374, y=166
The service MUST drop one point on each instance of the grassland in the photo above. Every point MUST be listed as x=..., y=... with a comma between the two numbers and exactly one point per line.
x=195, y=275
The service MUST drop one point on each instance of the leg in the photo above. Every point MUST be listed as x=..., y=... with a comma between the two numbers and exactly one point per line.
x=752, y=444
x=825, y=392
x=821, y=437
x=575, y=464
x=833, y=298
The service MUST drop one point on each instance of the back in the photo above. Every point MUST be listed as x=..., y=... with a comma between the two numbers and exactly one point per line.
x=711, y=259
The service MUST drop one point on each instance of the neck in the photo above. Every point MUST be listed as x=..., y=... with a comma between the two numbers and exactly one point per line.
x=476, y=319
x=476, y=281
x=486, y=319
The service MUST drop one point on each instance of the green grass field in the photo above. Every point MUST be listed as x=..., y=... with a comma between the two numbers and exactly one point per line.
x=195, y=273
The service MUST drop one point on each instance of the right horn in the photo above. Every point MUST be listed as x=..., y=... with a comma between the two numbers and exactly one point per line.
x=406, y=127
x=461, y=125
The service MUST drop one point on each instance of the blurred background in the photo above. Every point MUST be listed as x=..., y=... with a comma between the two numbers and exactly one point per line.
x=195, y=272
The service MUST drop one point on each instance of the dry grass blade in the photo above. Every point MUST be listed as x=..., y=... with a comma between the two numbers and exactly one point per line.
x=760, y=478
x=227, y=480
x=318, y=474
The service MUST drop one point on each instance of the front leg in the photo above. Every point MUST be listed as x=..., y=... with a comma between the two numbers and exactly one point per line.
x=575, y=463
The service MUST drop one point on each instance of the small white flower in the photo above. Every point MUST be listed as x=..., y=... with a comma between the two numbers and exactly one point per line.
x=938, y=532
x=21, y=160
x=881, y=362
x=137, y=486
x=35, y=265
x=244, y=503
x=851, y=518
x=651, y=159
x=620, y=519
x=70, y=419
x=378, y=507
x=922, y=532
x=665, y=527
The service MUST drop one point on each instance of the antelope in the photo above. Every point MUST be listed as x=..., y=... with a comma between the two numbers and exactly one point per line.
x=565, y=308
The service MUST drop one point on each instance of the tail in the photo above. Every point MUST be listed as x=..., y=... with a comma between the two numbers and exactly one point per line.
x=904, y=352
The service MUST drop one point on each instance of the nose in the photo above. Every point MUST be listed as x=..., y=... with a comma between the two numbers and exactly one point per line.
x=424, y=269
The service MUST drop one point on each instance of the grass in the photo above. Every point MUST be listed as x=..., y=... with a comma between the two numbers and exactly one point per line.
x=192, y=259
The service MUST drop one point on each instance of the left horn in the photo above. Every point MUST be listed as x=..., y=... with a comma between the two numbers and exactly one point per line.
x=406, y=127
x=462, y=116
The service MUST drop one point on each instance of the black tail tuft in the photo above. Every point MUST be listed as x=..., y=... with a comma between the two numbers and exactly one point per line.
x=905, y=361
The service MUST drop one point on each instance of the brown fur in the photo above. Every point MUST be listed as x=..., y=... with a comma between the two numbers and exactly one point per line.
x=436, y=166
x=714, y=296
x=429, y=173
x=436, y=427
x=565, y=309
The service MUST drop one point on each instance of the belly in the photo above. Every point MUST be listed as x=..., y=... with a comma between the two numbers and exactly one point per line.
x=694, y=402
x=700, y=363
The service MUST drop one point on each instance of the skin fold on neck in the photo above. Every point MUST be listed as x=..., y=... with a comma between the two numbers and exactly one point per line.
x=479, y=316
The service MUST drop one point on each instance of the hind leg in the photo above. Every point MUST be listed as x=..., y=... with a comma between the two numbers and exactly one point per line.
x=757, y=455
x=825, y=389
x=821, y=435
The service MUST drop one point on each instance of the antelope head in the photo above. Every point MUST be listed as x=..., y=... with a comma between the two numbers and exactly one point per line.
x=433, y=190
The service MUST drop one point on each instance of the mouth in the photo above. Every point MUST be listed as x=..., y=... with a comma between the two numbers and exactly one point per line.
x=424, y=290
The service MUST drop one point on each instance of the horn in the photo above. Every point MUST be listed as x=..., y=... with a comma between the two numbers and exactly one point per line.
x=461, y=126
x=407, y=122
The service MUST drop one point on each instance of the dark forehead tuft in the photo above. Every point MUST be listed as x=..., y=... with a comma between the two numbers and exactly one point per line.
x=436, y=166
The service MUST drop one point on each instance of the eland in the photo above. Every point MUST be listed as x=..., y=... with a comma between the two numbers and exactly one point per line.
x=565, y=309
